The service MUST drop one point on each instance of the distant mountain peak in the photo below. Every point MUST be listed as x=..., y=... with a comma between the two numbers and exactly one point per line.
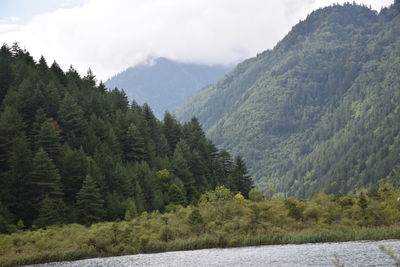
x=164, y=83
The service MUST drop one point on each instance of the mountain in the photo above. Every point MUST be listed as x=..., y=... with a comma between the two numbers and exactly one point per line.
x=165, y=84
x=319, y=111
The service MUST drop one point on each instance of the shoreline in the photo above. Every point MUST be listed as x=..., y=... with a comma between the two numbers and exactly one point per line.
x=302, y=237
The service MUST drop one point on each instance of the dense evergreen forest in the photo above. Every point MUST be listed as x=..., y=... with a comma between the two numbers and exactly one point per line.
x=319, y=111
x=73, y=151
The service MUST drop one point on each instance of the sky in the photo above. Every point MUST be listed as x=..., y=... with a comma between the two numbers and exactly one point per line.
x=109, y=36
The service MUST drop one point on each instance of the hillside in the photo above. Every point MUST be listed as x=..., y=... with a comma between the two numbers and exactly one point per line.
x=72, y=151
x=165, y=84
x=320, y=110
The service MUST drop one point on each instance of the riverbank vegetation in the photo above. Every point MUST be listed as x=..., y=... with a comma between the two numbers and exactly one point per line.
x=220, y=219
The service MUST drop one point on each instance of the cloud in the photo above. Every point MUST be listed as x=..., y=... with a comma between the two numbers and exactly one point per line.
x=109, y=36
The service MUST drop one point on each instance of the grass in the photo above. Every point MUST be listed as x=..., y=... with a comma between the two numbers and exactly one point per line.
x=203, y=242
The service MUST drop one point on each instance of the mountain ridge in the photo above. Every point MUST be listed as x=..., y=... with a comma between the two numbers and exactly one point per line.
x=164, y=83
x=285, y=104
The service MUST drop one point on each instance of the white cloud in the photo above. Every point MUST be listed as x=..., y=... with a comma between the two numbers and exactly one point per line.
x=109, y=36
x=5, y=28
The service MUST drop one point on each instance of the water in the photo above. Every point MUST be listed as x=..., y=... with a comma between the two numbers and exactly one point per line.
x=361, y=253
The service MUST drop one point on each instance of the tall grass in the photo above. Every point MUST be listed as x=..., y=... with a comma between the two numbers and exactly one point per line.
x=203, y=242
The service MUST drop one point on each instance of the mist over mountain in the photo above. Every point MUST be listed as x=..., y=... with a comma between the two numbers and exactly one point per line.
x=320, y=110
x=165, y=84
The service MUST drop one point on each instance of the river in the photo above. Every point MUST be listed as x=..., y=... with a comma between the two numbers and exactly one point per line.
x=360, y=253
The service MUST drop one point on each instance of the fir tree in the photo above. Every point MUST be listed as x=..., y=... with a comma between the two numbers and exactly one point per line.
x=176, y=195
x=74, y=167
x=241, y=178
x=49, y=140
x=134, y=148
x=89, y=202
x=45, y=177
x=48, y=212
x=72, y=120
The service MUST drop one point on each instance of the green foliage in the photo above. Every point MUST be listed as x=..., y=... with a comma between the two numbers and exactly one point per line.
x=6, y=219
x=89, y=202
x=256, y=195
x=49, y=212
x=73, y=151
x=235, y=222
x=320, y=109
x=45, y=176
x=131, y=210
x=176, y=195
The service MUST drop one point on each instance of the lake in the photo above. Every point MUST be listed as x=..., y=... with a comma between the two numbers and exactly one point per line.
x=360, y=253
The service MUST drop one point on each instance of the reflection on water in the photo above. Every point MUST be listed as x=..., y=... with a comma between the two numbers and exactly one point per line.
x=362, y=253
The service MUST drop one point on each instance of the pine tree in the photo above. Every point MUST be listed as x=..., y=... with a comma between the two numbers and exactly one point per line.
x=198, y=170
x=11, y=135
x=181, y=170
x=241, y=178
x=90, y=78
x=133, y=146
x=11, y=127
x=163, y=148
x=6, y=75
x=45, y=177
x=195, y=136
x=48, y=212
x=171, y=130
x=176, y=195
x=42, y=65
x=89, y=202
x=49, y=140
x=74, y=167
x=58, y=73
x=20, y=158
x=72, y=121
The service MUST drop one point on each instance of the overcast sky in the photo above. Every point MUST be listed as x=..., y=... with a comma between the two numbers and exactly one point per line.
x=110, y=35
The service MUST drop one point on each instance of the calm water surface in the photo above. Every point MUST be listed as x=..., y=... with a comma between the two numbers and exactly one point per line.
x=361, y=253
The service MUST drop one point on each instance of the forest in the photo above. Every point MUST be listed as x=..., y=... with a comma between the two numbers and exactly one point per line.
x=85, y=173
x=72, y=151
x=318, y=111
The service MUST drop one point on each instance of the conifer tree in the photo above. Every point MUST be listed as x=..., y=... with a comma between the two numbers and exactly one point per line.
x=58, y=73
x=133, y=147
x=163, y=148
x=72, y=120
x=49, y=140
x=42, y=65
x=11, y=126
x=45, y=177
x=241, y=178
x=48, y=212
x=74, y=167
x=176, y=195
x=89, y=202
x=171, y=130
x=6, y=75
x=18, y=175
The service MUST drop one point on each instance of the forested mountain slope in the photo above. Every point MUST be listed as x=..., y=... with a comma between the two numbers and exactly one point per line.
x=72, y=151
x=319, y=111
x=165, y=84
